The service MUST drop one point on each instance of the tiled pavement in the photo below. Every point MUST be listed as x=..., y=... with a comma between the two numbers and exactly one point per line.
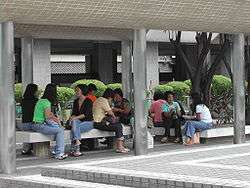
x=216, y=166
x=201, y=166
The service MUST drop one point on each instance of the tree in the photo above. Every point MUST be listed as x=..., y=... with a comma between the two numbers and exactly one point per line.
x=200, y=72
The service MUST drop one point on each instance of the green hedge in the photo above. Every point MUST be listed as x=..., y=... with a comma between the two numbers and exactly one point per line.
x=180, y=88
x=64, y=94
x=220, y=85
x=188, y=82
x=114, y=86
x=163, y=88
x=101, y=87
x=18, y=92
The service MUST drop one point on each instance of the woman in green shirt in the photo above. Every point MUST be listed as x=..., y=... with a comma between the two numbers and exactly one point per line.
x=44, y=121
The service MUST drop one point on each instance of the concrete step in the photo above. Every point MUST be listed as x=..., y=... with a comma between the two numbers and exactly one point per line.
x=130, y=178
x=38, y=181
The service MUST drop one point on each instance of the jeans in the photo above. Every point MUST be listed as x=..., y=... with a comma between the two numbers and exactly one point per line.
x=191, y=126
x=50, y=129
x=25, y=126
x=79, y=127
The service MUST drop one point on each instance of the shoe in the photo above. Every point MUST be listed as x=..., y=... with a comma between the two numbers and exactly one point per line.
x=164, y=140
x=62, y=156
x=29, y=152
x=124, y=150
x=177, y=140
x=76, y=154
x=77, y=143
x=105, y=142
x=188, y=142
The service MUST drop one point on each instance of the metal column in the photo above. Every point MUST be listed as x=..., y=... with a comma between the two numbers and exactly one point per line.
x=7, y=107
x=126, y=69
x=27, y=61
x=139, y=67
x=238, y=66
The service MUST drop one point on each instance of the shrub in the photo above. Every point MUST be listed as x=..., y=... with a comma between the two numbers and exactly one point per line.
x=64, y=94
x=221, y=85
x=100, y=85
x=18, y=92
x=163, y=88
x=180, y=88
x=188, y=82
x=114, y=86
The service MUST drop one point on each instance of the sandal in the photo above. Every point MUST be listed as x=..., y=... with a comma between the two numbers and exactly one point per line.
x=124, y=150
x=76, y=154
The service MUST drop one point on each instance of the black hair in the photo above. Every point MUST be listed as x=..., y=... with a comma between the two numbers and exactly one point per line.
x=92, y=87
x=30, y=91
x=118, y=91
x=83, y=88
x=108, y=93
x=50, y=93
x=167, y=93
x=158, y=95
x=196, y=100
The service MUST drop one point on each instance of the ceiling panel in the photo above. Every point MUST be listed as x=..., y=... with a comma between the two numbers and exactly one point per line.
x=188, y=15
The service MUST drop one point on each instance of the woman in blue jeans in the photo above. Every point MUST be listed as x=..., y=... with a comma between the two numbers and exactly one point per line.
x=45, y=122
x=81, y=119
x=202, y=119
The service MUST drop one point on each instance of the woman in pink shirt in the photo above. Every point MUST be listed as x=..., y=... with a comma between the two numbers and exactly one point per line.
x=156, y=109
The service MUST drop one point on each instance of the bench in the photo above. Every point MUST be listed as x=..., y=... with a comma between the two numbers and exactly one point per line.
x=220, y=134
x=41, y=142
x=217, y=134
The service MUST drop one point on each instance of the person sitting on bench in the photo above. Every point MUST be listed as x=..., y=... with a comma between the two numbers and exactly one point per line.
x=122, y=108
x=155, y=110
x=105, y=119
x=91, y=92
x=81, y=119
x=171, y=113
x=29, y=100
x=45, y=122
x=201, y=120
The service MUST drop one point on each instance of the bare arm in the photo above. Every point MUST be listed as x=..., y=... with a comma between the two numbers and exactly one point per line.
x=50, y=115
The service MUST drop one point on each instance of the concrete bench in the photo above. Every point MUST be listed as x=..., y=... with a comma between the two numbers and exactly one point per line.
x=219, y=134
x=41, y=142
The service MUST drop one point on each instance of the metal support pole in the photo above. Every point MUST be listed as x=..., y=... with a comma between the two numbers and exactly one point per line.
x=139, y=65
x=27, y=61
x=7, y=107
x=238, y=66
x=126, y=69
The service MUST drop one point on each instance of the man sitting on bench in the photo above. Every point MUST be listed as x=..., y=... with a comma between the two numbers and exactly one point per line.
x=171, y=113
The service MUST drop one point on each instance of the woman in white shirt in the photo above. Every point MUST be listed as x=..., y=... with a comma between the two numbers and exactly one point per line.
x=202, y=119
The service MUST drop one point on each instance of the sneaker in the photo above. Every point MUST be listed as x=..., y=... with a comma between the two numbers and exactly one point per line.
x=177, y=140
x=62, y=156
x=164, y=140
